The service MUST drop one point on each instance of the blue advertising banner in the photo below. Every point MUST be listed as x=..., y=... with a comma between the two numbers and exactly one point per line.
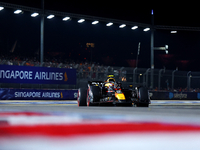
x=36, y=75
x=40, y=94
x=156, y=95
x=37, y=94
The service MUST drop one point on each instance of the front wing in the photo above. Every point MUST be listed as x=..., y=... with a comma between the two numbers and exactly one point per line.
x=113, y=101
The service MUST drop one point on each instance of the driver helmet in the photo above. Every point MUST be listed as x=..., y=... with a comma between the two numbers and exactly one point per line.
x=110, y=78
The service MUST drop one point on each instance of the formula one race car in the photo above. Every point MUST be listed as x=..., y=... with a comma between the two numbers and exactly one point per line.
x=112, y=93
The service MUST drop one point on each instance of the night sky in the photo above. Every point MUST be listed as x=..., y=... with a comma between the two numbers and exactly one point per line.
x=113, y=46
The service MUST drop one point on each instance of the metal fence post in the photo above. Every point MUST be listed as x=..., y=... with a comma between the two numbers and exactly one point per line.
x=159, y=77
x=147, y=77
x=173, y=78
x=144, y=84
x=91, y=72
x=188, y=80
x=121, y=73
x=134, y=75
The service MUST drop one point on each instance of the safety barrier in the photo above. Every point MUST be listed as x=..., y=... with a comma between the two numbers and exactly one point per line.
x=157, y=95
x=37, y=94
x=37, y=75
x=43, y=94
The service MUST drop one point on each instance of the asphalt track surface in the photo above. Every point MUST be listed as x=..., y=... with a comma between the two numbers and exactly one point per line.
x=189, y=110
x=157, y=106
x=164, y=112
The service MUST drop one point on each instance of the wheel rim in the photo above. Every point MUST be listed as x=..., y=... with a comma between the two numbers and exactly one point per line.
x=88, y=101
x=78, y=97
x=89, y=96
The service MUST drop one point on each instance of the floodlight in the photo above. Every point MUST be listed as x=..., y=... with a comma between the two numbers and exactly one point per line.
x=17, y=11
x=34, y=14
x=81, y=20
x=50, y=16
x=152, y=12
x=66, y=18
x=109, y=24
x=95, y=22
x=173, y=31
x=134, y=27
x=1, y=8
x=146, y=29
x=122, y=26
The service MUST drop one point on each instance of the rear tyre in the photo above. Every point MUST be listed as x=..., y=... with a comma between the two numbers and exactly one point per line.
x=143, y=94
x=143, y=97
x=81, y=98
x=93, y=96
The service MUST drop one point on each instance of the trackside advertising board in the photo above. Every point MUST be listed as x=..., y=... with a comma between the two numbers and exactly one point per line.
x=156, y=95
x=37, y=94
x=36, y=75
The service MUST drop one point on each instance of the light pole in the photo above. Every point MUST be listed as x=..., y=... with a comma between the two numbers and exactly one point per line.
x=147, y=77
x=188, y=80
x=145, y=83
x=134, y=76
x=135, y=69
x=152, y=48
x=138, y=54
x=42, y=35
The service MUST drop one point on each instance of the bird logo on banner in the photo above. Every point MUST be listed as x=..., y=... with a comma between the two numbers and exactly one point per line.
x=61, y=95
x=65, y=75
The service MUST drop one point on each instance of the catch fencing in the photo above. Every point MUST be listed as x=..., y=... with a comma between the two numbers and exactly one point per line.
x=167, y=80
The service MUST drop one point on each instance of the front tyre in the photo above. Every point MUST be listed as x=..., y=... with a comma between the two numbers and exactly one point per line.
x=141, y=105
x=93, y=96
x=81, y=97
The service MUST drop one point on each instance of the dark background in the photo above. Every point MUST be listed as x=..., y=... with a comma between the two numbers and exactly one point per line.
x=66, y=41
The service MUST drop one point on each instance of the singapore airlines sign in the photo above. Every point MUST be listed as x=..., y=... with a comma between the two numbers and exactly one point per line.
x=36, y=75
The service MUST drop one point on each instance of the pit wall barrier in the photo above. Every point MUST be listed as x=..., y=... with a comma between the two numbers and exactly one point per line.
x=38, y=94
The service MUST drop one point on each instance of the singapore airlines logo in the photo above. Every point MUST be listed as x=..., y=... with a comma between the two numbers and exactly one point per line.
x=61, y=95
x=65, y=75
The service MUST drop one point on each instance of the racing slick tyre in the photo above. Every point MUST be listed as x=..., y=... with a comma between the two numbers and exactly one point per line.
x=81, y=97
x=93, y=96
x=142, y=105
x=143, y=97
